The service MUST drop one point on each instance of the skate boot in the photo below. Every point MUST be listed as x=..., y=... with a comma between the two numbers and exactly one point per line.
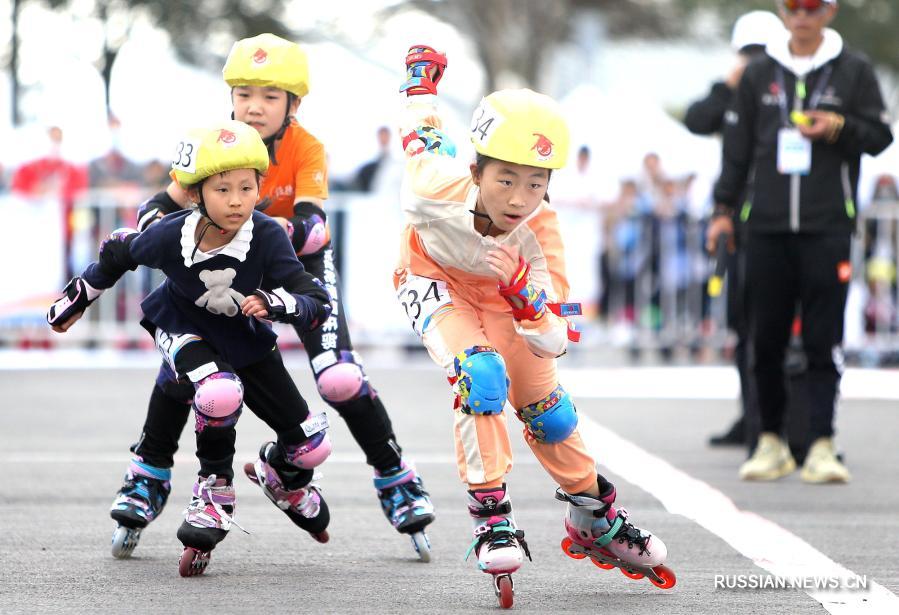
x=498, y=544
x=140, y=500
x=207, y=520
x=599, y=530
x=406, y=505
x=299, y=498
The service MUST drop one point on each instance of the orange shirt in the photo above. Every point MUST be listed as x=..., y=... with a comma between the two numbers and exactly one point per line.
x=301, y=172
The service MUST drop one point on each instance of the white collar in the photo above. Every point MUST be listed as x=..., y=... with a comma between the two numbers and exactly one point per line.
x=237, y=248
x=830, y=47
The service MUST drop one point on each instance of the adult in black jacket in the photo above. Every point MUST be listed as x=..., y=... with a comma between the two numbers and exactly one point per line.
x=803, y=115
x=705, y=117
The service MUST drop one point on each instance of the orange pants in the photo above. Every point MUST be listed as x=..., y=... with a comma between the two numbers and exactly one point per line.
x=483, y=449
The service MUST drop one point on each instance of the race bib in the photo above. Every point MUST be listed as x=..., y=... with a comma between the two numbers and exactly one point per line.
x=185, y=157
x=794, y=152
x=169, y=345
x=422, y=298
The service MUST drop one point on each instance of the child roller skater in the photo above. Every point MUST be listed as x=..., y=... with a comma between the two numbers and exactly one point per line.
x=229, y=268
x=482, y=278
x=269, y=77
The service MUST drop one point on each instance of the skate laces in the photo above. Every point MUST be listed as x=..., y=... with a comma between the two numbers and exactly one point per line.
x=630, y=534
x=199, y=503
x=498, y=535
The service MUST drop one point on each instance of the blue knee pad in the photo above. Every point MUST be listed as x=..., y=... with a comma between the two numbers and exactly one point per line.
x=481, y=380
x=552, y=419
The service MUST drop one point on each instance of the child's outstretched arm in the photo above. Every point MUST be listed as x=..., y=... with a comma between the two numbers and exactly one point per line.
x=421, y=126
x=115, y=259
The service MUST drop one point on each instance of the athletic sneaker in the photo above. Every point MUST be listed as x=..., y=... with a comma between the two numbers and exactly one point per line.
x=770, y=461
x=822, y=466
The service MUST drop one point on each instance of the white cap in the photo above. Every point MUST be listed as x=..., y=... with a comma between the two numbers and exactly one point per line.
x=755, y=28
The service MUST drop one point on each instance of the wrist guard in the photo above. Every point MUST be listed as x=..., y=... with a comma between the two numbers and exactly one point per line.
x=424, y=68
x=520, y=288
x=77, y=295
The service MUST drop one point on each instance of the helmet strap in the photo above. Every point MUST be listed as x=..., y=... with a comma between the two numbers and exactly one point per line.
x=478, y=214
x=270, y=141
x=201, y=207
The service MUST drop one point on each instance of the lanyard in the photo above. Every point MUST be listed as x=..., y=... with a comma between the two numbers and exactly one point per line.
x=801, y=91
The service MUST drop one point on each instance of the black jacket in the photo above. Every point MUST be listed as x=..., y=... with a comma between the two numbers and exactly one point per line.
x=823, y=200
x=706, y=116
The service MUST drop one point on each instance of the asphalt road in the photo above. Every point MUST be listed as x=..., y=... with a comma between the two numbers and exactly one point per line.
x=64, y=436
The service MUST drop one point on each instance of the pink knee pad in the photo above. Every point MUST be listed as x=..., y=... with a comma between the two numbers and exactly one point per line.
x=341, y=382
x=310, y=453
x=219, y=395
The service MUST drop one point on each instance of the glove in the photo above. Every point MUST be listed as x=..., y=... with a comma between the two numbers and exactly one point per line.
x=283, y=306
x=424, y=68
x=77, y=295
x=428, y=138
x=526, y=302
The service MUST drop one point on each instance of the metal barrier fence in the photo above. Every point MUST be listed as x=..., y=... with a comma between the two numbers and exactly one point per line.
x=653, y=283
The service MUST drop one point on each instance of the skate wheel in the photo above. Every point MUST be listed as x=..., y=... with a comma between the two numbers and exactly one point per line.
x=124, y=540
x=566, y=547
x=504, y=592
x=602, y=565
x=321, y=536
x=666, y=574
x=632, y=575
x=193, y=562
x=422, y=546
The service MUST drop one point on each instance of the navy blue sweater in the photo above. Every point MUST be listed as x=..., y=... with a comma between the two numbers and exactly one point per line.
x=202, y=293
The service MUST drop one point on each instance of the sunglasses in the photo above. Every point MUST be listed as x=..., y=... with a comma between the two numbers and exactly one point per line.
x=810, y=6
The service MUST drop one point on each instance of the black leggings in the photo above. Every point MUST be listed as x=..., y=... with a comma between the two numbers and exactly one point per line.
x=365, y=416
x=269, y=391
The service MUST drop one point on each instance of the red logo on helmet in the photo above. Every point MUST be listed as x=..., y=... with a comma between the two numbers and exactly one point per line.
x=543, y=146
x=260, y=56
x=227, y=138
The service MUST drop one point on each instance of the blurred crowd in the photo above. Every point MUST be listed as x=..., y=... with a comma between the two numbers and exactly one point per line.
x=636, y=259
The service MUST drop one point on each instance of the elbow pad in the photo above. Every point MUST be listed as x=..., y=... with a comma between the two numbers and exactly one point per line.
x=115, y=252
x=154, y=208
x=310, y=229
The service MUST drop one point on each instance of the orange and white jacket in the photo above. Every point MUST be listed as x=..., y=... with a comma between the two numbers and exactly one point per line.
x=440, y=241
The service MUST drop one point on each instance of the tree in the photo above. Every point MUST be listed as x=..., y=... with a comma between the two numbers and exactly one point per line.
x=191, y=25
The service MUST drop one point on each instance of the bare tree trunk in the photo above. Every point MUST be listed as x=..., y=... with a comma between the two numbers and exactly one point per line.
x=14, y=65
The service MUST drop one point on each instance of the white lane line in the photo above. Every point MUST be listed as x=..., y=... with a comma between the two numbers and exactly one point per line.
x=768, y=545
x=688, y=382
x=705, y=382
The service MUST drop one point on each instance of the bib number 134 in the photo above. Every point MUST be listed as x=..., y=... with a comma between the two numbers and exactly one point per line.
x=421, y=298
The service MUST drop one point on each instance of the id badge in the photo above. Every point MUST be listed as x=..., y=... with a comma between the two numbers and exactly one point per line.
x=794, y=152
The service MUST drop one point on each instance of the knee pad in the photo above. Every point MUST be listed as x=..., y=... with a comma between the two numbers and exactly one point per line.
x=218, y=399
x=316, y=448
x=552, y=419
x=343, y=380
x=481, y=381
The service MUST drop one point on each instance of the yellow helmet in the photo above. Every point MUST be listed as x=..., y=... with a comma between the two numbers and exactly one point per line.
x=521, y=126
x=224, y=146
x=268, y=61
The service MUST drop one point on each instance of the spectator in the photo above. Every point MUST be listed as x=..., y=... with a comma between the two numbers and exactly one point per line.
x=803, y=115
x=113, y=168
x=53, y=176
x=704, y=117
x=367, y=175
